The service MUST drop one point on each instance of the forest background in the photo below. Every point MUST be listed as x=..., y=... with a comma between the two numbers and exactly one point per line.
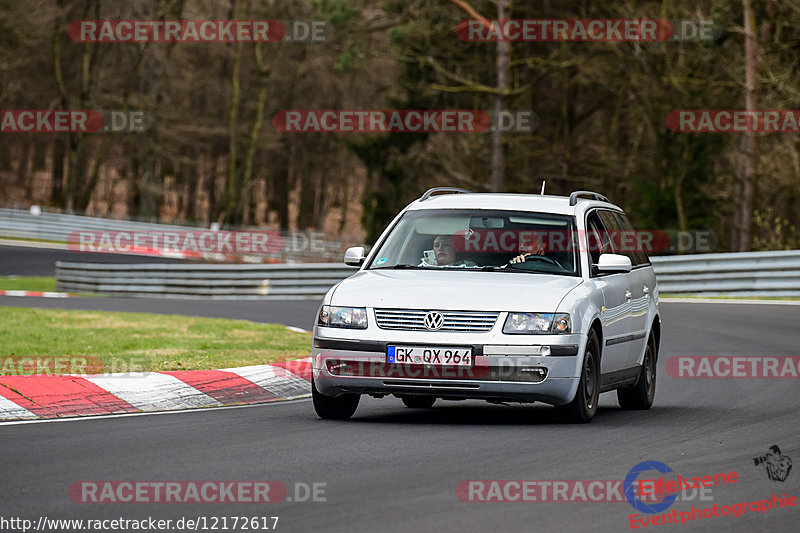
x=212, y=154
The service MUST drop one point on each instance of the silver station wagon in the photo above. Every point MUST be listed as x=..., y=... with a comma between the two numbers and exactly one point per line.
x=498, y=297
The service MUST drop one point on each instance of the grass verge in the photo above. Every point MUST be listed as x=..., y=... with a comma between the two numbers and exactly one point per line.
x=21, y=283
x=139, y=342
x=30, y=239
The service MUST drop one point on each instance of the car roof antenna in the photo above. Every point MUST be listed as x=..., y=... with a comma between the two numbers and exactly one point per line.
x=543, y=184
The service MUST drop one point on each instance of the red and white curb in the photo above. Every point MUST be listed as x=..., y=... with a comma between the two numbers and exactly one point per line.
x=59, y=396
x=42, y=294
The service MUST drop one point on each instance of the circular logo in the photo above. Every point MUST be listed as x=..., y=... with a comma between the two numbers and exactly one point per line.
x=630, y=483
x=434, y=320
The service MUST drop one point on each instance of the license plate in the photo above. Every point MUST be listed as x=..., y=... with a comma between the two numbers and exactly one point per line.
x=429, y=355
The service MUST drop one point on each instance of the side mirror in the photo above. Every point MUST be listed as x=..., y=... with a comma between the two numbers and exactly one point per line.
x=355, y=256
x=614, y=263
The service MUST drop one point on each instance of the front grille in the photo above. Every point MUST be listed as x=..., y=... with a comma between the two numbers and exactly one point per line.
x=413, y=320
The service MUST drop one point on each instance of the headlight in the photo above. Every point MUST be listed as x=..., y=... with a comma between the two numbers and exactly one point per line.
x=537, y=323
x=343, y=317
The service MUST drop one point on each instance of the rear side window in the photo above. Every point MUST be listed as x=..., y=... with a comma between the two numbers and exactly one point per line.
x=598, y=238
x=624, y=239
x=636, y=240
x=614, y=232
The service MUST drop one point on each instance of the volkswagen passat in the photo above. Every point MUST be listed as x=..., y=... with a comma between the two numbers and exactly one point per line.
x=499, y=297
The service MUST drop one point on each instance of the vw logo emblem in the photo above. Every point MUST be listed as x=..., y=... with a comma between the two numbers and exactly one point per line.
x=434, y=320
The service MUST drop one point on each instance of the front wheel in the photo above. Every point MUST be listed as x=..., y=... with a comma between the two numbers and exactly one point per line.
x=640, y=396
x=419, y=402
x=584, y=406
x=330, y=408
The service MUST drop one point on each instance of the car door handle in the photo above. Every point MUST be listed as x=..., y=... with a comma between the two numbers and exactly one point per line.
x=628, y=294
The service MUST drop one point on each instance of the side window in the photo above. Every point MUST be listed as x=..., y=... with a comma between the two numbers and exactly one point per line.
x=597, y=237
x=637, y=242
x=616, y=235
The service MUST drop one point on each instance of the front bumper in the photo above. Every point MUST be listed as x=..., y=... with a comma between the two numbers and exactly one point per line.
x=503, y=368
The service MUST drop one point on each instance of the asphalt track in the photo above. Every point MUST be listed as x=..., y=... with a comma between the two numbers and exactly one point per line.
x=396, y=469
x=29, y=261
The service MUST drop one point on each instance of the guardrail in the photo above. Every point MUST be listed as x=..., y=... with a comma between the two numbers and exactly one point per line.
x=734, y=274
x=298, y=247
x=158, y=280
x=740, y=274
x=58, y=226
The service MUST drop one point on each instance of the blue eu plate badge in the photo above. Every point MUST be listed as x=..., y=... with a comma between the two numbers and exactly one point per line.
x=390, y=354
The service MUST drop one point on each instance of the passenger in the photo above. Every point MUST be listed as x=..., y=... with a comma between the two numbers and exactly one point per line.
x=445, y=253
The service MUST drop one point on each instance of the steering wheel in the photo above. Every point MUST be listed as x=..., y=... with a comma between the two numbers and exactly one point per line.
x=540, y=258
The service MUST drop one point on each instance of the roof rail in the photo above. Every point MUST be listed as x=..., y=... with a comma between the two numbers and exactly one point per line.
x=430, y=192
x=573, y=198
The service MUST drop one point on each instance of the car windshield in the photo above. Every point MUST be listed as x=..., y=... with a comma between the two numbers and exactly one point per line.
x=481, y=240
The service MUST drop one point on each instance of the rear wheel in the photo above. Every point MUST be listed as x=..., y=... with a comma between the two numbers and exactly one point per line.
x=640, y=396
x=584, y=406
x=419, y=402
x=334, y=408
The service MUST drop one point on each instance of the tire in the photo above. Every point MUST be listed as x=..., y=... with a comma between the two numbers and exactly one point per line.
x=640, y=396
x=419, y=402
x=330, y=408
x=583, y=407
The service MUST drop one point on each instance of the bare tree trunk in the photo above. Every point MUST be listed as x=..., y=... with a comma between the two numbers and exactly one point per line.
x=345, y=203
x=86, y=196
x=307, y=196
x=503, y=75
x=57, y=189
x=746, y=169
x=264, y=71
x=61, y=177
x=683, y=223
x=225, y=211
x=22, y=167
x=76, y=148
x=283, y=181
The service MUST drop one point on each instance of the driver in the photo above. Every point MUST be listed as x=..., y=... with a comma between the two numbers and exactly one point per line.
x=527, y=248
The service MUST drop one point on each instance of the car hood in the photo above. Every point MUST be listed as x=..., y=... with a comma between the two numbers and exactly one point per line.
x=447, y=289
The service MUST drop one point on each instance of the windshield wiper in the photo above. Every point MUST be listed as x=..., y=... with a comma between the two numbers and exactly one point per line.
x=399, y=265
x=508, y=267
x=502, y=268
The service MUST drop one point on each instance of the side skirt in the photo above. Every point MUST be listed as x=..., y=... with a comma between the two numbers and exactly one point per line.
x=619, y=378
